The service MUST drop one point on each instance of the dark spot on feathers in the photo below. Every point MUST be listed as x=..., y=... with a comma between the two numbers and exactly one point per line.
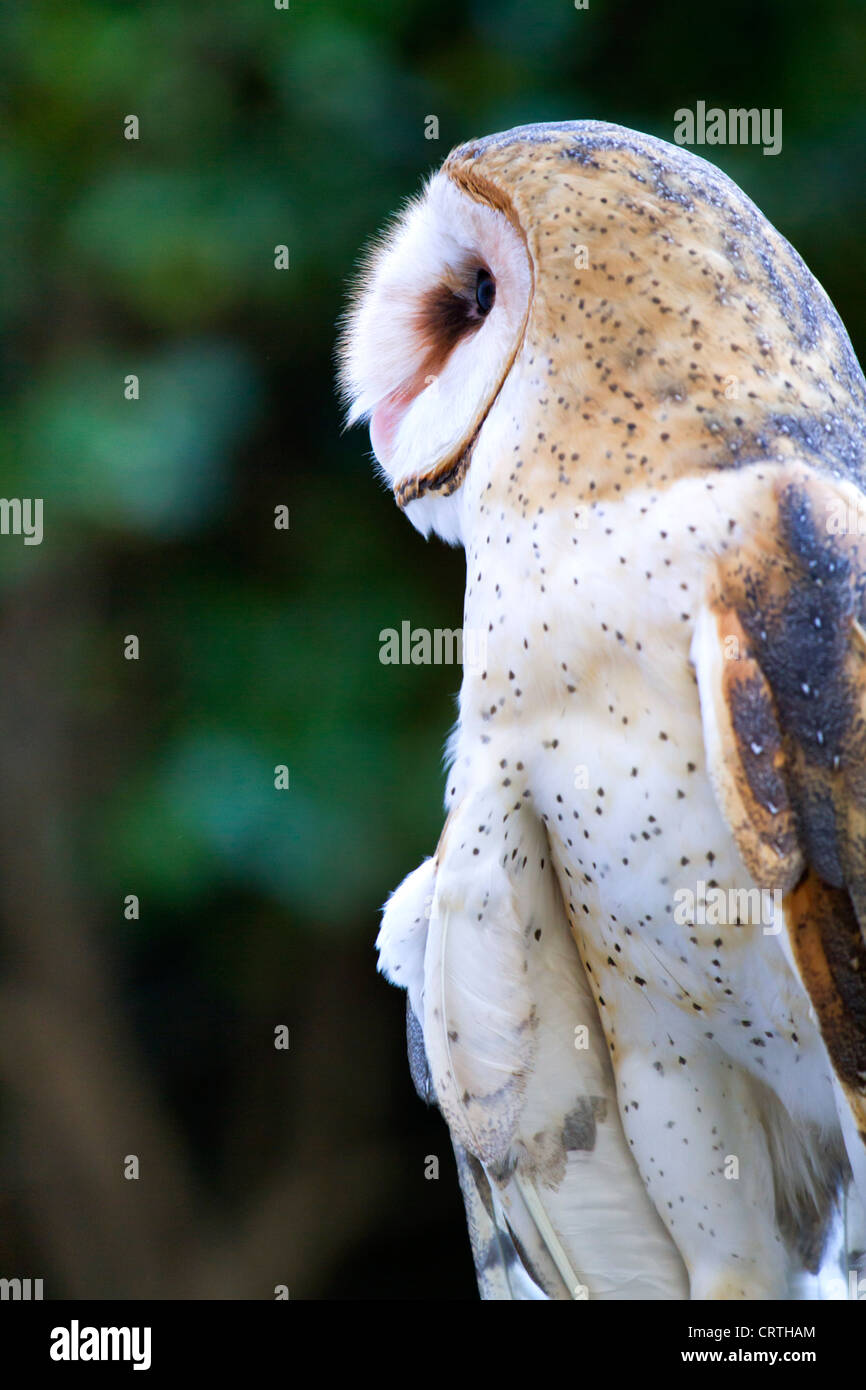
x=579, y=1125
x=419, y=1070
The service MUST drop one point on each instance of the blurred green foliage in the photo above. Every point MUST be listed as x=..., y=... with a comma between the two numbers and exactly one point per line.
x=303, y=127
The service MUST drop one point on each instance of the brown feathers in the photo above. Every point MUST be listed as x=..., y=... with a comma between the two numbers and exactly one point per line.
x=445, y=315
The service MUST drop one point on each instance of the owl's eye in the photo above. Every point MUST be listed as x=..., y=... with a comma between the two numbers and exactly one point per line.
x=485, y=291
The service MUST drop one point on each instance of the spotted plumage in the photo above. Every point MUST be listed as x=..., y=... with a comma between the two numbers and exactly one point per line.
x=645, y=443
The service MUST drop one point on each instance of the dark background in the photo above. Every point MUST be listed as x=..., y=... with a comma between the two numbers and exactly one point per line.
x=154, y=1037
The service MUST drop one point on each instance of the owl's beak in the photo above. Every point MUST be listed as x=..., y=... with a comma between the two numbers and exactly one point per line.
x=445, y=478
x=385, y=418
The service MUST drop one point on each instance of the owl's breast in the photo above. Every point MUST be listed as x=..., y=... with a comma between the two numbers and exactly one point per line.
x=585, y=707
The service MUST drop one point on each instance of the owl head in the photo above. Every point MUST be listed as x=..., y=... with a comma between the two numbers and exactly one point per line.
x=436, y=324
x=598, y=306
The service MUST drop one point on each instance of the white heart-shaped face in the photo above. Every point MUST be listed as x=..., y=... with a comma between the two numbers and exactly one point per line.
x=433, y=331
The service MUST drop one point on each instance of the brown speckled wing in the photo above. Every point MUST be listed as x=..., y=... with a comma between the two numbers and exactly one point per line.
x=780, y=655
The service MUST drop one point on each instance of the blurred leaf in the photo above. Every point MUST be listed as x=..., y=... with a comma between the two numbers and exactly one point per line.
x=158, y=464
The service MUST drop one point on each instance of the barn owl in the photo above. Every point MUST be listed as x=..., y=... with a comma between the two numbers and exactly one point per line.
x=635, y=963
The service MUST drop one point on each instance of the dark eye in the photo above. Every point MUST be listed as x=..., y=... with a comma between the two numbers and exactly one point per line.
x=485, y=291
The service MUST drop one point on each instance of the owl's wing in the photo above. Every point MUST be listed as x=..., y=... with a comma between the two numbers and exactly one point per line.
x=780, y=655
x=501, y=1272
x=520, y=1069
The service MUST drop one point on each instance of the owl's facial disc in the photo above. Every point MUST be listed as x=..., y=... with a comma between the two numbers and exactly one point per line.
x=432, y=335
